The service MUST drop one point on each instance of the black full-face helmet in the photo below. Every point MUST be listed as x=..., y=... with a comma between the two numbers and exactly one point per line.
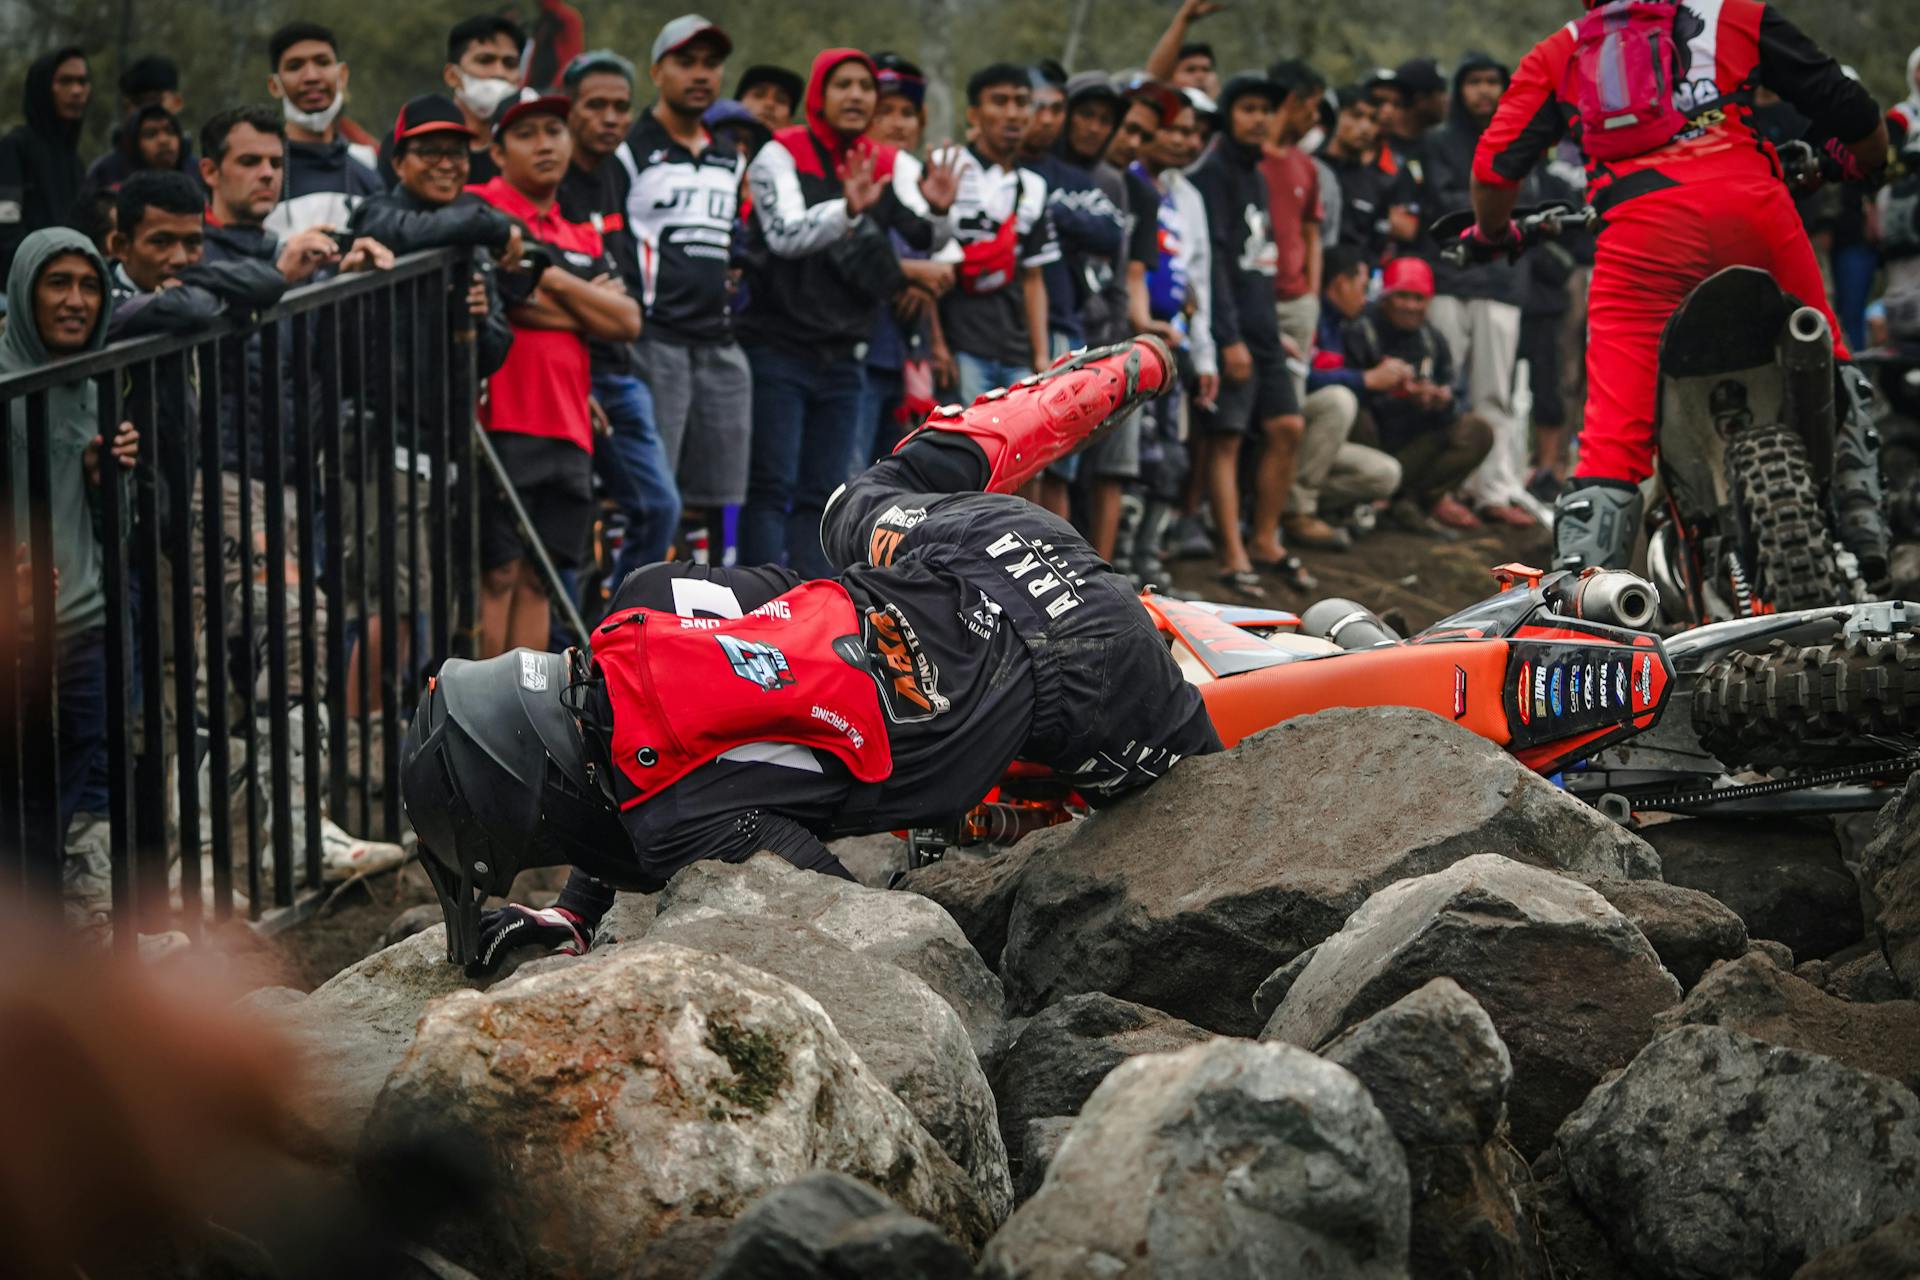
x=497, y=776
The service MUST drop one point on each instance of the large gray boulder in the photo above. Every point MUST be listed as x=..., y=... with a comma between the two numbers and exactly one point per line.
x=1571, y=986
x=1436, y=1069
x=1187, y=896
x=828, y=1226
x=1753, y=996
x=911, y=1038
x=610, y=1103
x=1785, y=879
x=899, y=928
x=1718, y=1155
x=354, y=1028
x=1225, y=1161
x=1690, y=931
x=1062, y=1054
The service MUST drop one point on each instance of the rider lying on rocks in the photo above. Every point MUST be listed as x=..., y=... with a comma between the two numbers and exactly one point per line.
x=726, y=711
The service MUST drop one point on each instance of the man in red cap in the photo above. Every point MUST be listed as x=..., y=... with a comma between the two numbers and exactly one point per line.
x=536, y=405
x=1407, y=388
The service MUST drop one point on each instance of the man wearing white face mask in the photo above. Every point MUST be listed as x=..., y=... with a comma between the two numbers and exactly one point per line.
x=327, y=172
x=483, y=71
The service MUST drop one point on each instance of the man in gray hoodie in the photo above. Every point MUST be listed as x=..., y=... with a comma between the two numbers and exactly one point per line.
x=58, y=302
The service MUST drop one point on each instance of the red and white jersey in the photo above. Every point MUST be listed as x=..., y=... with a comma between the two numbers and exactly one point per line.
x=1728, y=48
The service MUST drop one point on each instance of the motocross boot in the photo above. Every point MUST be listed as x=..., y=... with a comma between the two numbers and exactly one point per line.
x=1859, y=506
x=1045, y=417
x=1595, y=525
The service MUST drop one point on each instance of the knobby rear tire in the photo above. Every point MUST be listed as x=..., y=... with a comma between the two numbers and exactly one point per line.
x=1774, y=486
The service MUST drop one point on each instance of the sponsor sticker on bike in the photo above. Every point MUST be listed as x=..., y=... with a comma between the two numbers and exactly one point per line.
x=1643, y=684
x=1525, y=700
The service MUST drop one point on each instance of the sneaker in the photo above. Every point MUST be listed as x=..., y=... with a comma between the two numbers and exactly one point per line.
x=342, y=857
x=1312, y=531
x=1453, y=514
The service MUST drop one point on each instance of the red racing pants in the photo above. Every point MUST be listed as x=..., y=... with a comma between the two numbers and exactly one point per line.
x=1652, y=252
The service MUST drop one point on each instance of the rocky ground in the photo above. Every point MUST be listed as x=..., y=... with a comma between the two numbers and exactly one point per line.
x=1360, y=998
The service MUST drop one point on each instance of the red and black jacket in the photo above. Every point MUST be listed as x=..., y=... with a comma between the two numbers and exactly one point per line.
x=1728, y=49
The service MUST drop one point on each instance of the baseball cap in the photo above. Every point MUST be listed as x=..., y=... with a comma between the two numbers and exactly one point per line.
x=1407, y=275
x=731, y=111
x=899, y=78
x=1420, y=75
x=528, y=102
x=428, y=113
x=788, y=82
x=683, y=31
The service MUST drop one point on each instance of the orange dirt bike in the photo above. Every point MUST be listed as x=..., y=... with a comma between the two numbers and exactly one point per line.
x=1817, y=711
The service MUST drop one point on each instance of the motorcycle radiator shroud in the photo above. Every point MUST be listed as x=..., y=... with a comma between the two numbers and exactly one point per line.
x=1552, y=690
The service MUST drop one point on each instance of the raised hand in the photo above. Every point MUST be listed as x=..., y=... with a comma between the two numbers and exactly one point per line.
x=857, y=180
x=940, y=184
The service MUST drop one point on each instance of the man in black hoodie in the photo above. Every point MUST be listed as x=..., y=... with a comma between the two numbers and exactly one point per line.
x=1256, y=387
x=40, y=169
x=1477, y=308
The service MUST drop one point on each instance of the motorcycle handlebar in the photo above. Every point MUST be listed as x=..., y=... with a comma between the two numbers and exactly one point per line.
x=1549, y=223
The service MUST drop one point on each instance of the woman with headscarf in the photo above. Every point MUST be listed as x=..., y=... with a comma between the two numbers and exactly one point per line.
x=820, y=268
x=40, y=169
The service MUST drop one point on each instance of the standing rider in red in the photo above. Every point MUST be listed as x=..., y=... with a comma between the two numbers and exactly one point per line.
x=1685, y=188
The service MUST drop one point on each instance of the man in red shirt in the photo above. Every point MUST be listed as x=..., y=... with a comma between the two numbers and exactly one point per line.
x=536, y=405
x=1708, y=198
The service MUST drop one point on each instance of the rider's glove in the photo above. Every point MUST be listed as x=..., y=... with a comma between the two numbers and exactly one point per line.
x=1839, y=164
x=514, y=926
x=1481, y=247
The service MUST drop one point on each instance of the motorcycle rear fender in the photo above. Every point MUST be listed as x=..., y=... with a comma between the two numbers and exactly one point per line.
x=1557, y=718
x=1734, y=328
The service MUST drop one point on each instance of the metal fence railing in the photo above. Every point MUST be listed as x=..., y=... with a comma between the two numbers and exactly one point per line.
x=304, y=475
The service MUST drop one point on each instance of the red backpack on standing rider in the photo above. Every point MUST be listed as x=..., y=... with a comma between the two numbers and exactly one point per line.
x=1660, y=96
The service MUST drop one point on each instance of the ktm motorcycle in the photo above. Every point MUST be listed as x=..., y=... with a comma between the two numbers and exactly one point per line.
x=1788, y=713
x=1739, y=522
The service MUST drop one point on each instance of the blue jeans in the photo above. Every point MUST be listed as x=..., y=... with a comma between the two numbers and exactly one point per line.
x=83, y=725
x=633, y=469
x=979, y=375
x=805, y=414
x=1854, y=268
x=879, y=430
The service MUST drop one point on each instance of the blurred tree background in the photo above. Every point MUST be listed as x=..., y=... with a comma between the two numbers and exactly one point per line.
x=397, y=50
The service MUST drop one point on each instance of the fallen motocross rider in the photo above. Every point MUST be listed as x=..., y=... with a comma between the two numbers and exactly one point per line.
x=723, y=712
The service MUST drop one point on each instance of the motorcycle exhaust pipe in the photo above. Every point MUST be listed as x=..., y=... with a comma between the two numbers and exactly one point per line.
x=1612, y=598
x=1346, y=623
x=1807, y=391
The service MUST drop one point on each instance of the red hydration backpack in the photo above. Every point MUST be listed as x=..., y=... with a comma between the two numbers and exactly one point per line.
x=1625, y=69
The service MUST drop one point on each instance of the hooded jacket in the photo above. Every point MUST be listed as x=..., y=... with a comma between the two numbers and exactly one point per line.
x=323, y=183
x=818, y=276
x=1092, y=226
x=71, y=426
x=1228, y=178
x=1450, y=147
x=40, y=169
x=123, y=161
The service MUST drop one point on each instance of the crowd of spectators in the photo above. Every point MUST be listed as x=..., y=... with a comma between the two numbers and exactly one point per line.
x=697, y=315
